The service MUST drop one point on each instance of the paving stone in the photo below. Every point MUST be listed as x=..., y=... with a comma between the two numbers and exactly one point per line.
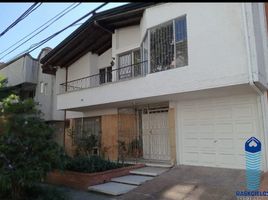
x=149, y=171
x=132, y=179
x=112, y=188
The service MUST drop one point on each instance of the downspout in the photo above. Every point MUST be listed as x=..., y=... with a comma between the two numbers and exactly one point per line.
x=251, y=81
x=64, y=124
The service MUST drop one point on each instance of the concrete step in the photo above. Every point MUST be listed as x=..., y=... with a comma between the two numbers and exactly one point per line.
x=132, y=179
x=149, y=171
x=112, y=188
x=158, y=165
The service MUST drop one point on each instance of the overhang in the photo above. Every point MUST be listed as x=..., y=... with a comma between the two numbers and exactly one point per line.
x=95, y=35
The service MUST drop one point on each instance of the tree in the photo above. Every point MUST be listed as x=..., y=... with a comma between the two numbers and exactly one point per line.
x=27, y=149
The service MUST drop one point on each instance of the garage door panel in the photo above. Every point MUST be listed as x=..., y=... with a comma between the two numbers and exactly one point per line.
x=214, y=131
x=243, y=111
x=225, y=144
x=206, y=144
x=205, y=114
x=207, y=158
x=245, y=127
x=190, y=157
x=190, y=142
x=224, y=159
x=205, y=126
x=223, y=112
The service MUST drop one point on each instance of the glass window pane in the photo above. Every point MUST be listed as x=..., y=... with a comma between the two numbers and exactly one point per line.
x=181, y=42
x=102, y=76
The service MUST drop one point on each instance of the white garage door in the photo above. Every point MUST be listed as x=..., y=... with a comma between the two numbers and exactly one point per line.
x=212, y=132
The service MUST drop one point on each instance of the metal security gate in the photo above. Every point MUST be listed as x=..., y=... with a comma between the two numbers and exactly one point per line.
x=155, y=134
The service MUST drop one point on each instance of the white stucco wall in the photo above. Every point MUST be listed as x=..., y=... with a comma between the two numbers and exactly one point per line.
x=125, y=39
x=216, y=53
x=90, y=113
x=48, y=99
x=104, y=60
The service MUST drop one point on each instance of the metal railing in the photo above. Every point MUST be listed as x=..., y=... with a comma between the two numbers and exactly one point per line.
x=115, y=75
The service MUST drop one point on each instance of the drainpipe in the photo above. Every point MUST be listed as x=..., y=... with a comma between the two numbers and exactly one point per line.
x=263, y=100
x=64, y=124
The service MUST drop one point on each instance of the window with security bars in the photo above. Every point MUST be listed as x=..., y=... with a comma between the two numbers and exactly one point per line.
x=85, y=127
x=129, y=64
x=168, y=45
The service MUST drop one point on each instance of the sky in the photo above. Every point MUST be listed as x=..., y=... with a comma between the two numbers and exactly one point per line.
x=9, y=12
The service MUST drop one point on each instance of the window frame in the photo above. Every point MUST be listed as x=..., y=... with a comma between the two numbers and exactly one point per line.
x=106, y=80
x=80, y=134
x=131, y=53
x=147, y=35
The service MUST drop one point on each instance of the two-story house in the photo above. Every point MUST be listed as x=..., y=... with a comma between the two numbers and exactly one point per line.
x=177, y=83
x=24, y=75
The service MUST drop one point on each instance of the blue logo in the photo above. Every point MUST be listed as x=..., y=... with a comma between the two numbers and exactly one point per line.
x=253, y=163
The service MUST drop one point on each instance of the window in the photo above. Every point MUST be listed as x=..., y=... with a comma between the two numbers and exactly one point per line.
x=181, y=42
x=42, y=84
x=105, y=75
x=85, y=127
x=129, y=64
x=167, y=45
x=43, y=88
x=162, y=47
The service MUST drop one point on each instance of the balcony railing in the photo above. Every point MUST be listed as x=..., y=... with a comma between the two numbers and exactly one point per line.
x=115, y=75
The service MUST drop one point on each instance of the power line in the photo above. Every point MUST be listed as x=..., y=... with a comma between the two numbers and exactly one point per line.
x=23, y=16
x=37, y=29
x=60, y=15
x=37, y=45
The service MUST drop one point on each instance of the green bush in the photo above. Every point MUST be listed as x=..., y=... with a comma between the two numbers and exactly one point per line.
x=91, y=164
x=27, y=149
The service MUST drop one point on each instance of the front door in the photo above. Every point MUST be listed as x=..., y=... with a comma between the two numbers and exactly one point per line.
x=155, y=134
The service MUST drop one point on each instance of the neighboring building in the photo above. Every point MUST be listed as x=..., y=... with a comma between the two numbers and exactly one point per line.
x=24, y=75
x=178, y=83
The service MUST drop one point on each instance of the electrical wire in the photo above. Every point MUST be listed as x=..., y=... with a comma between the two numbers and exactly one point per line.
x=23, y=16
x=37, y=45
x=37, y=32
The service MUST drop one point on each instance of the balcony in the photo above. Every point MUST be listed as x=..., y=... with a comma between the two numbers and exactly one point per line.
x=108, y=77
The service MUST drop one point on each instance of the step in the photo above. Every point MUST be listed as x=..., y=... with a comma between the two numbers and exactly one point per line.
x=112, y=188
x=132, y=179
x=158, y=165
x=149, y=171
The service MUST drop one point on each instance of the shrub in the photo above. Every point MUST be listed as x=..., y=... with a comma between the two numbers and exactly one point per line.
x=91, y=164
x=27, y=149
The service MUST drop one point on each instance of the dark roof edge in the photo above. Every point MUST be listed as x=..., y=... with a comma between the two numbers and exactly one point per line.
x=124, y=8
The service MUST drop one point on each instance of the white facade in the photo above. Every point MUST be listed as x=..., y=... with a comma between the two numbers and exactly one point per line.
x=45, y=93
x=224, y=82
x=214, y=60
x=22, y=70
